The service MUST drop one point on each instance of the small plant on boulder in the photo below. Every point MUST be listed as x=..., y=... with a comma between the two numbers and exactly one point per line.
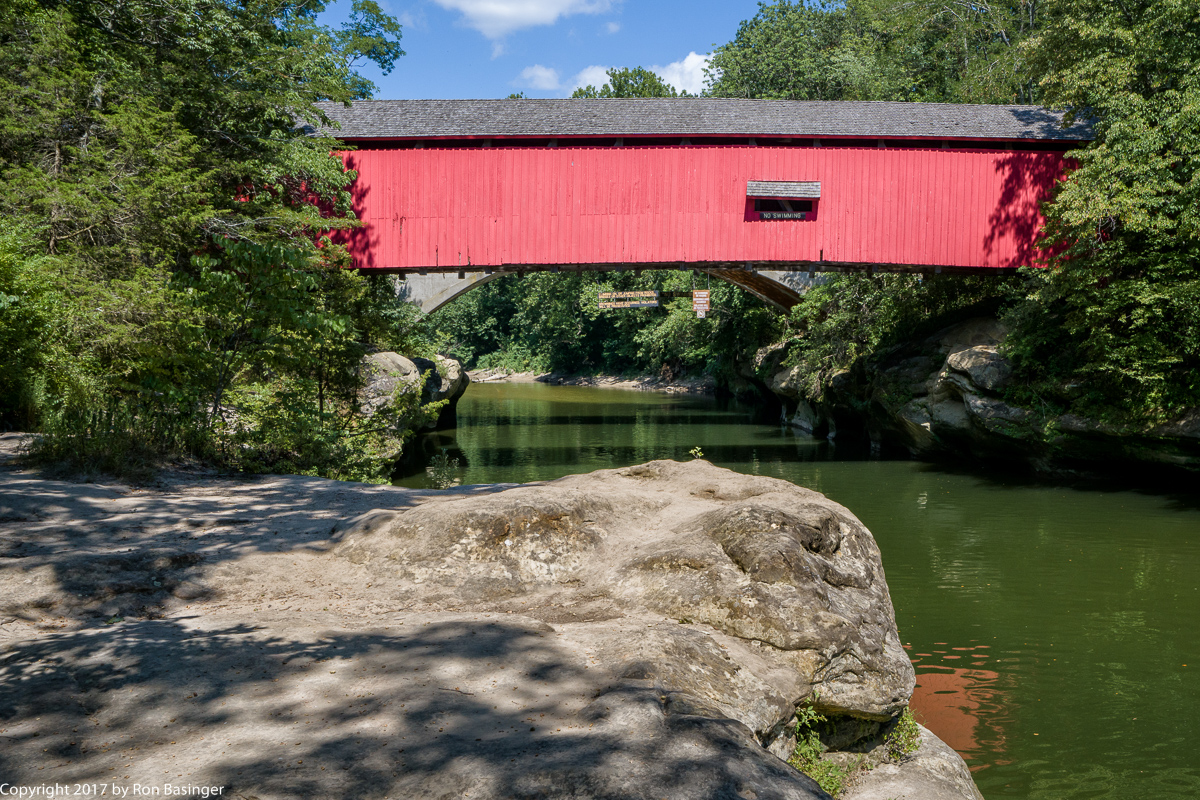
x=905, y=738
x=830, y=776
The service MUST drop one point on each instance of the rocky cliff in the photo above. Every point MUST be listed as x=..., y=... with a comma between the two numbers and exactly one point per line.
x=947, y=396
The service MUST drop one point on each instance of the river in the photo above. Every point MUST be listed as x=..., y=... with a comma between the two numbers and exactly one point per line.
x=1055, y=630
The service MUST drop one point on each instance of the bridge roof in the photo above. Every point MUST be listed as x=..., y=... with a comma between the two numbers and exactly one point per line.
x=433, y=119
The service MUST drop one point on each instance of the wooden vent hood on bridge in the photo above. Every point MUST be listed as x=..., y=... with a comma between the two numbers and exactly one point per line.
x=789, y=190
x=782, y=200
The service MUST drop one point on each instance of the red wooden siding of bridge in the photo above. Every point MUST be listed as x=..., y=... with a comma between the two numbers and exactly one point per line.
x=440, y=208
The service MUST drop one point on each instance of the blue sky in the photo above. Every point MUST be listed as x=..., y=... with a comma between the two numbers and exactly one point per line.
x=545, y=48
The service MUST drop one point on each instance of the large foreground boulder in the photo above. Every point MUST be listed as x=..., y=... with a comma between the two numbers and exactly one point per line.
x=706, y=605
x=636, y=633
x=788, y=574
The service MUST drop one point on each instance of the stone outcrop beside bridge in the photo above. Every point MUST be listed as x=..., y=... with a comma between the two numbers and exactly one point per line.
x=945, y=396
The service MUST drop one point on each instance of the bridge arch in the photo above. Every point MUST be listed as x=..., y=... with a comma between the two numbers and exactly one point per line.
x=780, y=289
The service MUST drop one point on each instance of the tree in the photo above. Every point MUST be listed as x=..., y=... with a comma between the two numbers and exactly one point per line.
x=164, y=168
x=961, y=52
x=801, y=51
x=1114, y=325
x=930, y=50
x=626, y=82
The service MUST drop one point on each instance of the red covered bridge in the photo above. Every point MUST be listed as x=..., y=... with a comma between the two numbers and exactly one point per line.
x=748, y=190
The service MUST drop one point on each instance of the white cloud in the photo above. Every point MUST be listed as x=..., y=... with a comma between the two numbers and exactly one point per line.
x=613, y=27
x=686, y=75
x=498, y=18
x=594, y=75
x=539, y=77
x=409, y=20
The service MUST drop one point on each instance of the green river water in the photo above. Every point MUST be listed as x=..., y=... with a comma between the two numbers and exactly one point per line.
x=1055, y=630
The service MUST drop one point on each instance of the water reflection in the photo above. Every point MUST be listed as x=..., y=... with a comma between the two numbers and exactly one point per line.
x=527, y=432
x=963, y=702
x=1052, y=627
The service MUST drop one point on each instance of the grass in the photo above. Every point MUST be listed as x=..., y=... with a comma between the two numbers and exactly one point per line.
x=834, y=778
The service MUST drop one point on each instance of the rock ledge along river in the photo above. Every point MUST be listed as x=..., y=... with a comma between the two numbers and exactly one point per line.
x=1055, y=631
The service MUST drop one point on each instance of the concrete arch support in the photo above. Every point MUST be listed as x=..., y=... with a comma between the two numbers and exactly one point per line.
x=431, y=292
x=779, y=288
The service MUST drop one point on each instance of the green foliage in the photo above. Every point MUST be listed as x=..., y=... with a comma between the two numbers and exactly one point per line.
x=552, y=322
x=165, y=287
x=119, y=437
x=806, y=757
x=933, y=50
x=626, y=82
x=442, y=470
x=951, y=51
x=849, y=319
x=390, y=322
x=28, y=299
x=273, y=429
x=696, y=453
x=802, y=51
x=905, y=737
x=1112, y=329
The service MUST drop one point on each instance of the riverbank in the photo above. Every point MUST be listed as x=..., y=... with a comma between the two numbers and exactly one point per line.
x=950, y=396
x=643, y=383
x=260, y=634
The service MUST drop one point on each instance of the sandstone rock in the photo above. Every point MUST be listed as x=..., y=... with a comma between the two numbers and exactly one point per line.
x=804, y=418
x=1185, y=427
x=765, y=361
x=385, y=371
x=949, y=417
x=841, y=382
x=982, y=365
x=934, y=772
x=451, y=379
x=523, y=644
x=1072, y=423
x=769, y=590
x=996, y=416
x=788, y=383
x=709, y=604
x=970, y=333
x=916, y=425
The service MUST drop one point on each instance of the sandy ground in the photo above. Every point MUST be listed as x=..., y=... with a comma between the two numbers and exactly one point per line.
x=59, y=533
x=645, y=383
x=188, y=632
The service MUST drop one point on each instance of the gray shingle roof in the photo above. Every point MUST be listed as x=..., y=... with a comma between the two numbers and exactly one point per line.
x=415, y=119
